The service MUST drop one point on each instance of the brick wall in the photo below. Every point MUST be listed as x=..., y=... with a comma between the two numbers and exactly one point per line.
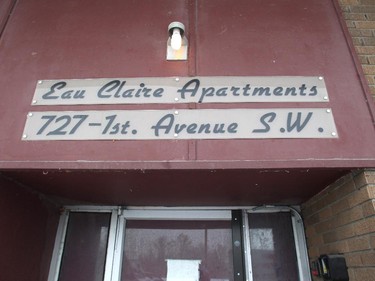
x=360, y=19
x=341, y=219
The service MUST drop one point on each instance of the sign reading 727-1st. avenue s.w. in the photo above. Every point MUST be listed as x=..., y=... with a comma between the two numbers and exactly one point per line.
x=181, y=124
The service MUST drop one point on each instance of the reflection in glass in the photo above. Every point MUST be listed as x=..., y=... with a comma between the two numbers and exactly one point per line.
x=85, y=248
x=150, y=244
x=272, y=245
x=261, y=239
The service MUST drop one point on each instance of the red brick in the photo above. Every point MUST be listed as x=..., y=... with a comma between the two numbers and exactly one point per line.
x=365, y=24
x=340, y=206
x=370, y=59
x=353, y=16
x=306, y=210
x=325, y=214
x=366, y=2
x=364, y=59
x=369, y=208
x=368, y=259
x=361, y=32
x=338, y=247
x=309, y=230
x=353, y=259
x=314, y=204
x=321, y=202
x=365, y=226
x=368, y=69
x=313, y=252
x=372, y=241
x=330, y=237
x=368, y=41
x=341, y=191
x=314, y=219
x=325, y=226
x=349, y=216
x=371, y=191
x=348, y=2
x=365, y=274
x=343, y=180
x=360, y=179
x=309, y=208
x=363, y=9
x=315, y=241
x=365, y=50
x=361, y=195
x=351, y=275
x=345, y=232
x=359, y=244
x=350, y=23
x=339, y=234
x=370, y=78
x=345, y=8
x=370, y=176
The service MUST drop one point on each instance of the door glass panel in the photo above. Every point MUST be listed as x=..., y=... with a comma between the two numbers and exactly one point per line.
x=273, y=253
x=85, y=247
x=177, y=250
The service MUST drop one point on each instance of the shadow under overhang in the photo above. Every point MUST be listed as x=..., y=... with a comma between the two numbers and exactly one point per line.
x=226, y=187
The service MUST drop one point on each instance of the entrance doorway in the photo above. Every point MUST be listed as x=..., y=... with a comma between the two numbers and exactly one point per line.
x=272, y=247
x=112, y=244
x=177, y=250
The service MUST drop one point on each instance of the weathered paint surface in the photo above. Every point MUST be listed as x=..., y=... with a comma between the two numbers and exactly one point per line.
x=180, y=187
x=86, y=39
x=96, y=39
x=28, y=226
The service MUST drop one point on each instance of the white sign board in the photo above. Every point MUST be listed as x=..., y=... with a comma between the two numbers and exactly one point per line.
x=183, y=270
x=228, y=89
x=181, y=124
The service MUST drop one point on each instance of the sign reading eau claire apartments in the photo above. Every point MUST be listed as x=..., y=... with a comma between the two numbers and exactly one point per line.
x=230, y=123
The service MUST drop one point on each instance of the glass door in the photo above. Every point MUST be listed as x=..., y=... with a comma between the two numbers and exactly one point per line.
x=273, y=252
x=113, y=244
x=177, y=250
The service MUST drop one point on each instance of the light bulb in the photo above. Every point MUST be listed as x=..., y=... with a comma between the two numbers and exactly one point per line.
x=176, y=39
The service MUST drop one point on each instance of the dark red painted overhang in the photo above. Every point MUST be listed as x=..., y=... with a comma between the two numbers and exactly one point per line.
x=178, y=187
x=96, y=39
x=86, y=39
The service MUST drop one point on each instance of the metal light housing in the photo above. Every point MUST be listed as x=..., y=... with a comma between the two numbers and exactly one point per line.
x=177, y=44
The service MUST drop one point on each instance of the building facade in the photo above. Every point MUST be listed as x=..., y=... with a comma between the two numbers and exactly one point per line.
x=249, y=157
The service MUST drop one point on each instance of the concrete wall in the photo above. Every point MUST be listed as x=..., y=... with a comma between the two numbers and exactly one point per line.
x=27, y=229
